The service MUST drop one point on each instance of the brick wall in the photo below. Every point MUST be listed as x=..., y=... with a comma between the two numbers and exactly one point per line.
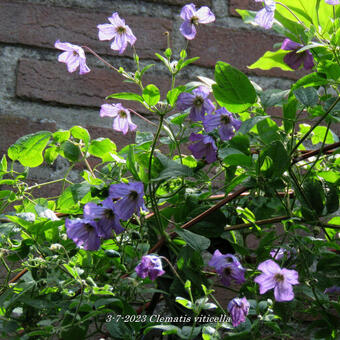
x=38, y=93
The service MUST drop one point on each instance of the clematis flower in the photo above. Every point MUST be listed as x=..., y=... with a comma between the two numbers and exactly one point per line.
x=334, y=290
x=265, y=17
x=118, y=31
x=282, y=280
x=122, y=119
x=278, y=254
x=83, y=232
x=333, y=2
x=192, y=18
x=204, y=148
x=227, y=267
x=106, y=216
x=130, y=197
x=294, y=59
x=224, y=121
x=151, y=266
x=239, y=309
x=198, y=102
x=73, y=57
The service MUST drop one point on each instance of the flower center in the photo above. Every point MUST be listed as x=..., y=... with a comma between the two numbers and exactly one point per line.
x=133, y=195
x=122, y=114
x=75, y=53
x=198, y=101
x=227, y=271
x=194, y=20
x=279, y=277
x=225, y=120
x=89, y=227
x=109, y=214
x=121, y=30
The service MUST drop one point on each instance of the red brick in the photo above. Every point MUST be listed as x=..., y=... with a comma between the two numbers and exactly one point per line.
x=51, y=82
x=240, y=48
x=37, y=25
x=12, y=128
x=183, y=2
x=243, y=4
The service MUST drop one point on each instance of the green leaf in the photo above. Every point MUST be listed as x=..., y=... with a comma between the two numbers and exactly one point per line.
x=314, y=193
x=268, y=130
x=272, y=59
x=70, y=151
x=233, y=156
x=233, y=89
x=126, y=96
x=178, y=118
x=330, y=176
x=318, y=135
x=173, y=94
x=273, y=97
x=3, y=164
x=28, y=149
x=80, y=133
x=61, y=135
x=250, y=123
x=184, y=302
x=131, y=162
x=307, y=96
x=51, y=154
x=196, y=242
x=289, y=113
x=181, y=64
x=102, y=148
x=313, y=79
x=151, y=94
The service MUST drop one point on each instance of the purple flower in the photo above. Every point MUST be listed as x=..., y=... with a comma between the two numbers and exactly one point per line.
x=198, y=102
x=106, y=215
x=204, y=148
x=227, y=267
x=333, y=2
x=118, y=31
x=122, y=119
x=294, y=59
x=265, y=17
x=280, y=279
x=334, y=290
x=278, y=254
x=223, y=120
x=130, y=197
x=73, y=57
x=192, y=18
x=83, y=232
x=151, y=266
x=238, y=308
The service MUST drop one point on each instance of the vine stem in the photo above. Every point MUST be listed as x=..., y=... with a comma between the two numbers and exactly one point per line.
x=259, y=222
x=141, y=117
x=100, y=58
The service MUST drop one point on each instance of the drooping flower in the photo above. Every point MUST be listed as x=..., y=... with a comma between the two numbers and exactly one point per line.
x=122, y=119
x=106, y=216
x=334, y=290
x=225, y=122
x=333, y=2
x=151, y=266
x=83, y=232
x=204, y=148
x=73, y=57
x=130, y=199
x=118, y=31
x=198, y=102
x=239, y=309
x=192, y=18
x=294, y=59
x=227, y=267
x=278, y=254
x=282, y=280
x=265, y=17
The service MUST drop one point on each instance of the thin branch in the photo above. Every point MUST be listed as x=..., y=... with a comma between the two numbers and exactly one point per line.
x=259, y=222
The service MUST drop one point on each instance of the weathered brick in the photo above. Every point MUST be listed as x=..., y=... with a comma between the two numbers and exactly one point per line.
x=12, y=128
x=183, y=2
x=239, y=48
x=50, y=81
x=243, y=4
x=37, y=25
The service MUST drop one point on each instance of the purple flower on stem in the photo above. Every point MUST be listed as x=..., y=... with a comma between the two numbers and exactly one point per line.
x=294, y=59
x=151, y=266
x=278, y=254
x=239, y=309
x=333, y=2
x=282, y=280
x=334, y=290
x=118, y=31
x=122, y=119
x=228, y=268
x=204, y=148
x=73, y=57
x=265, y=17
x=106, y=215
x=198, y=103
x=130, y=197
x=224, y=121
x=83, y=232
x=192, y=18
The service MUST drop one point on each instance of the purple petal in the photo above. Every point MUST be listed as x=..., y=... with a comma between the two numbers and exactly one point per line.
x=106, y=32
x=212, y=121
x=265, y=18
x=116, y=20
x=184, y=101
x=269, y=267
x=290, y=276
x=188, y=30
x=226, y=132
x=333, y=2
x=283, y=292
x=289, y=45
x=293, y=60
x=266, y=282
x=109, y=110
x=205, y=15
x=309, y=61
x=187, y=12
